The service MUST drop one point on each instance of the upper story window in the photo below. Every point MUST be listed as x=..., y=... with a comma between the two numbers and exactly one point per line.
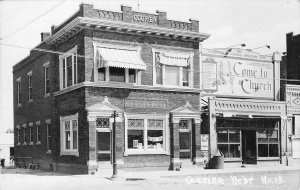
x=29, y=76
x=48, y=126
x=116, y=63
x=68, y=68
x=19, y=91
x=46, y=78
x=173, y=69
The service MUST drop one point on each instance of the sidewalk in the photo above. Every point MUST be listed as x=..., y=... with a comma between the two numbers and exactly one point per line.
x=201, y=172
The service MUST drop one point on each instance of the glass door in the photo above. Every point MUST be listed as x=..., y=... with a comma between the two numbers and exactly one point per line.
x=103, y=146
x=185, y=140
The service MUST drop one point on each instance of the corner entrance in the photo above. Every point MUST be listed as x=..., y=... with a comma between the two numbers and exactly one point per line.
x=249, y=154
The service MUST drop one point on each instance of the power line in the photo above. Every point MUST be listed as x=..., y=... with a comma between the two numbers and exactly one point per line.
x=36, y=18
x=195, y=72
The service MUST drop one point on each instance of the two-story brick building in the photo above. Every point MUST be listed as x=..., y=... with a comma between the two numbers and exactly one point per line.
x=143, y=66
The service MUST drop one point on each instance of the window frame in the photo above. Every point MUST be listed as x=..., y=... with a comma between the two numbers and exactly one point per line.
x=30, y=88
x=63, y=150
x=181, y=69
x=18, y=135
x=19, y=102
x=126, y=75
x=268, y=143
x=46, y=79
x=24, y=134
x=145, y=149
x=228, y=143
x=30, y=133
x=48, y=128
x=38, y=132
x=63, y=73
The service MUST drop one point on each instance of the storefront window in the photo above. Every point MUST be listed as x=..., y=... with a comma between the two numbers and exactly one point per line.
x=229, y=142
x=268, y=143
x=143, y=134
x=136, y=133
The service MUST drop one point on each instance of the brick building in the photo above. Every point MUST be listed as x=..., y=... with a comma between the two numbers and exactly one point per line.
x=143, y=66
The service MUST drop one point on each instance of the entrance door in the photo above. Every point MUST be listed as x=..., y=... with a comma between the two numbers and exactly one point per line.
x=249, y=146
x=103, y=146
x=185, y=148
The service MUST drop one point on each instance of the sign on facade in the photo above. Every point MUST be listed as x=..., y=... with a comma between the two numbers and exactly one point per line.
x=238, y=77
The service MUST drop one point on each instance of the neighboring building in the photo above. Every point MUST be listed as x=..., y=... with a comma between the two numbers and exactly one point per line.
x=246, y=121
x=143, y=66
x=291, y=88
x=7, y=147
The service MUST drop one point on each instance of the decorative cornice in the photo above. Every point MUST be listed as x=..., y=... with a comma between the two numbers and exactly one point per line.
x=80, y=23
x=248, y=107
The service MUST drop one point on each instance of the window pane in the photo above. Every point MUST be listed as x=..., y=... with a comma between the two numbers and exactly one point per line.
x=47, y=86
x=273, y=148
x=136, y=139
x=67, y=134
x=234, y=136
x=75, y=67
x=171, y=75
x=74, y=139
x=222, y=136
x=102, y=123
x=263, y=150
x=132, y=76
x=185, y=76
x=135, y=124
x=116, y=74
x=184, y=140
x=273, y=136
x=262, y=136
x=64, y=73
x=101, y=74
x=224, y=149
x=158, y=69
x=234, y=151
x=183, y=124
x=155, y=139
x=69, y=71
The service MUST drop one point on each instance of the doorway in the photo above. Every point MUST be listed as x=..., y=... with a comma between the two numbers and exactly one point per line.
x=249, y=154
x=104, y=147
x=185, y=140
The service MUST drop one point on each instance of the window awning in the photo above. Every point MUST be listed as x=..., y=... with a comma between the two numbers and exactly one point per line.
x=122, y=58
x=174, y=59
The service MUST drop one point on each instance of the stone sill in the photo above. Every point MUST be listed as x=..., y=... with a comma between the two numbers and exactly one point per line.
x=127, y=86
x=145, y=152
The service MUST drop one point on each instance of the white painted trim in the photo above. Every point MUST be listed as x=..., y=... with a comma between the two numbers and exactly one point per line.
x=46, y=64
x=29, y=73
x=145, y=150
x=18, y=79
x=63, y=151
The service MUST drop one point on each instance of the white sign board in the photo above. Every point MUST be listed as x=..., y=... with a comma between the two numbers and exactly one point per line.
x=238, y=77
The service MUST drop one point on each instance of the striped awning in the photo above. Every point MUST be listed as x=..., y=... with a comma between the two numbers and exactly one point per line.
x=122, y=58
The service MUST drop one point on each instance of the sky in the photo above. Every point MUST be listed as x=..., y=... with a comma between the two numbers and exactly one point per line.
x=229, y=22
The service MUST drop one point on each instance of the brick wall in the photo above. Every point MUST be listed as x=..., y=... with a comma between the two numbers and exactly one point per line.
x=40, y=109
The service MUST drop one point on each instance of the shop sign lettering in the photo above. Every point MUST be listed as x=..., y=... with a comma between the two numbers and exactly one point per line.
x=145, y=18
x=235, y=77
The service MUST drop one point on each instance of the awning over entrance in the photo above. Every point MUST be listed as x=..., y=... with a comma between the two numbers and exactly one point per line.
x=122, y=58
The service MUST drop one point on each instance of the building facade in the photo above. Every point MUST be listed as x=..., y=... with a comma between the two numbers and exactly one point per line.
x=241, y=111
x=291, y=91
x=142, y=66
